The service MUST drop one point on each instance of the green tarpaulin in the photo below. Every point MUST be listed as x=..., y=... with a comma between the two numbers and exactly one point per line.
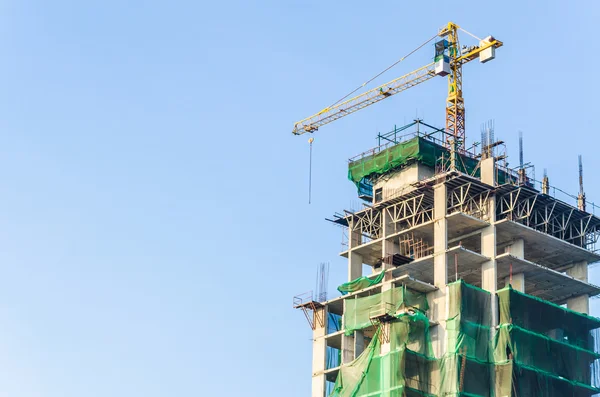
x=359, y=310
x=360, y=283
x=416, y=149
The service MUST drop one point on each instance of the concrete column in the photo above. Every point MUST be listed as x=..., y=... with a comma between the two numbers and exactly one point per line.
x=516, y=249
x=347, y=348
x=518, y=282
x=319, y=355
x=489, y=271
x=359, y=343
x=388, y=374
x=440, y=236
x=580, y=303
x=488, y=171
x=440, y=268
x=355, y=261
x=348, y=342
x=388, y=247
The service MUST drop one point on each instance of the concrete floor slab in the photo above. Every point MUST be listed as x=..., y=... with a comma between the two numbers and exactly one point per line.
x=461, y=224
x=467, y=266
x=541, y=248
x=336, y=305
x=543, y=282
x=424, y=231
x=370, y=252
x=413, y=284
x=331, y=374
x=335, y=340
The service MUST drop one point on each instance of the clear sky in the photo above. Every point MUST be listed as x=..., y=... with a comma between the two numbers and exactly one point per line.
x=154, y=222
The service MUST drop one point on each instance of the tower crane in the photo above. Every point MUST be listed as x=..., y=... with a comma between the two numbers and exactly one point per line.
x=448, y=61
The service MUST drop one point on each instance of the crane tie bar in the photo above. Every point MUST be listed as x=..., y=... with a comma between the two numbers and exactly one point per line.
x=382, y=72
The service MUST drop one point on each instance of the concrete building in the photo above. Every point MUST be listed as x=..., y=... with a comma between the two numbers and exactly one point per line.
x=501, y=267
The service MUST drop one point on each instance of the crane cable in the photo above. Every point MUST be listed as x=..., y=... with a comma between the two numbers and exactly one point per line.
x=382, y=72
x=310, y=142
x=471, y=34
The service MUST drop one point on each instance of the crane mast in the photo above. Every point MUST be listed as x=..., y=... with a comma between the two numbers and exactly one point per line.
x=449, y=58
x=455, y=103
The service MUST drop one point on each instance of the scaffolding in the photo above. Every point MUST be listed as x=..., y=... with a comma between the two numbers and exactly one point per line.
x=312, y=309
x=413, y=247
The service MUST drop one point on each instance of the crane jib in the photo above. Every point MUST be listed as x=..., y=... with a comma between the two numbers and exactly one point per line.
x=361, y=101
x=455, y=115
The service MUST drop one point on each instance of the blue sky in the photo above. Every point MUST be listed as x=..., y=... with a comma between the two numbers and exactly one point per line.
x=154, y=223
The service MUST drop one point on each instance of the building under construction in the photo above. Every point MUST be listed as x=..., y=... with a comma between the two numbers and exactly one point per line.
x=478, y=274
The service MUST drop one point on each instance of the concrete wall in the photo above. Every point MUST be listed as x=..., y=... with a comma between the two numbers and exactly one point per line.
x=401, y=180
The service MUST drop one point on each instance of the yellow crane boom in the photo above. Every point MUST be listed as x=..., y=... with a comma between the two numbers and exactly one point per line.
x=455, y=111
x=329, y=114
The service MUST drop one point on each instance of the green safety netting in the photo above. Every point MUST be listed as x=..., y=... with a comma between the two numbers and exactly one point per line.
x=538, y=349
x=551, y=350
x=465, y=368
x=360, y=283
x=469, y=320
x=531, y=349
x=358, y=311
x=540, y=316
x=398, y=372
x=416, y=149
